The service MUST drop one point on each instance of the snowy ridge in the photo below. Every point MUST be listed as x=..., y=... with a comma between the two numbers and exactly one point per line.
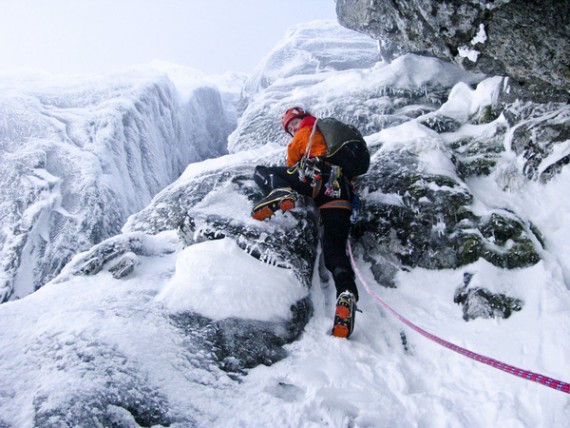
x=313, y=48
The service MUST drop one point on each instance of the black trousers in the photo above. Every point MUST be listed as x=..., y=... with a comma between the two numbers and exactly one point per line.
x=335, y=221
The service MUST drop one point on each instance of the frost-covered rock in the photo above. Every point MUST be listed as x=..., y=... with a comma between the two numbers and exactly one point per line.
x=81, y=154
x=478, y=302
x=540, y=137
x=371, y=99
x=313, y=48
x=420, y=210
x=226, y=293
x=418, y=219
x=211, y=202
x=230, y=291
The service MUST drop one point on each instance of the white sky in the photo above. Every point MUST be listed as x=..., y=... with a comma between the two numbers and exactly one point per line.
x=76, y=36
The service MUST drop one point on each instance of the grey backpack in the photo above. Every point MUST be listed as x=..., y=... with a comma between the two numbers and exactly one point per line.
x=346, y=147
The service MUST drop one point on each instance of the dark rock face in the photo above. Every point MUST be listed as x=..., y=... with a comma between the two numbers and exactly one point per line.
x=425, y=220
x=238, y=344
x=527, y=40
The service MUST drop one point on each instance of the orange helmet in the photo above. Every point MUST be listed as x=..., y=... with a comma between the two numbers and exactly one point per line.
x=293, y=113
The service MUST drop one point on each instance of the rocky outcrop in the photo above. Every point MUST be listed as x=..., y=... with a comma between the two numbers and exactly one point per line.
x=426, y=220
x=527, y=40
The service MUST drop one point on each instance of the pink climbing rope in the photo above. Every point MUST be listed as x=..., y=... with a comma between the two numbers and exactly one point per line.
x=525, y=374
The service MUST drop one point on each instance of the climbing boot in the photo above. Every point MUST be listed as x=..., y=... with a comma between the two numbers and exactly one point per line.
x=344, y=315
x=279, y=199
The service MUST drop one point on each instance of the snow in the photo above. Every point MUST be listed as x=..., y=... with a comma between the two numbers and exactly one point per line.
x=385, y=375
x=314, y=47
x=466, y=52
x=240, y=288
x=479, y=38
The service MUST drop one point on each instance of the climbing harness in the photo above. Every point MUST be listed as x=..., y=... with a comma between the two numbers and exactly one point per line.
x=525, y=374
x=309, y=171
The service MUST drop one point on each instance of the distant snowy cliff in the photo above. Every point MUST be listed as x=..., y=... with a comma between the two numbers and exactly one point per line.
x=79, y=155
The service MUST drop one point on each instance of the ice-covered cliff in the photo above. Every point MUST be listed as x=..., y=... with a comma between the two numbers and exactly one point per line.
x=80, y=154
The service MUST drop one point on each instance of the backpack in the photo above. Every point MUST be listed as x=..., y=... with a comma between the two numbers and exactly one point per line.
x=346, y=147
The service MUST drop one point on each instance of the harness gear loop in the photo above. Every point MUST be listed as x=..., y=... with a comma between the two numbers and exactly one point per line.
x=333, y=189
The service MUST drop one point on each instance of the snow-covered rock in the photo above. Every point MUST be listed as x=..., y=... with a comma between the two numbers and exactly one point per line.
x=371, y=99
x=80, y=154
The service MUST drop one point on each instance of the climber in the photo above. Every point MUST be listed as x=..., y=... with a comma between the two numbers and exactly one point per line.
x=309, y=175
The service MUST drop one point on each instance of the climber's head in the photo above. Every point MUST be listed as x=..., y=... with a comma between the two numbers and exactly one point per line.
x=292, y=119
